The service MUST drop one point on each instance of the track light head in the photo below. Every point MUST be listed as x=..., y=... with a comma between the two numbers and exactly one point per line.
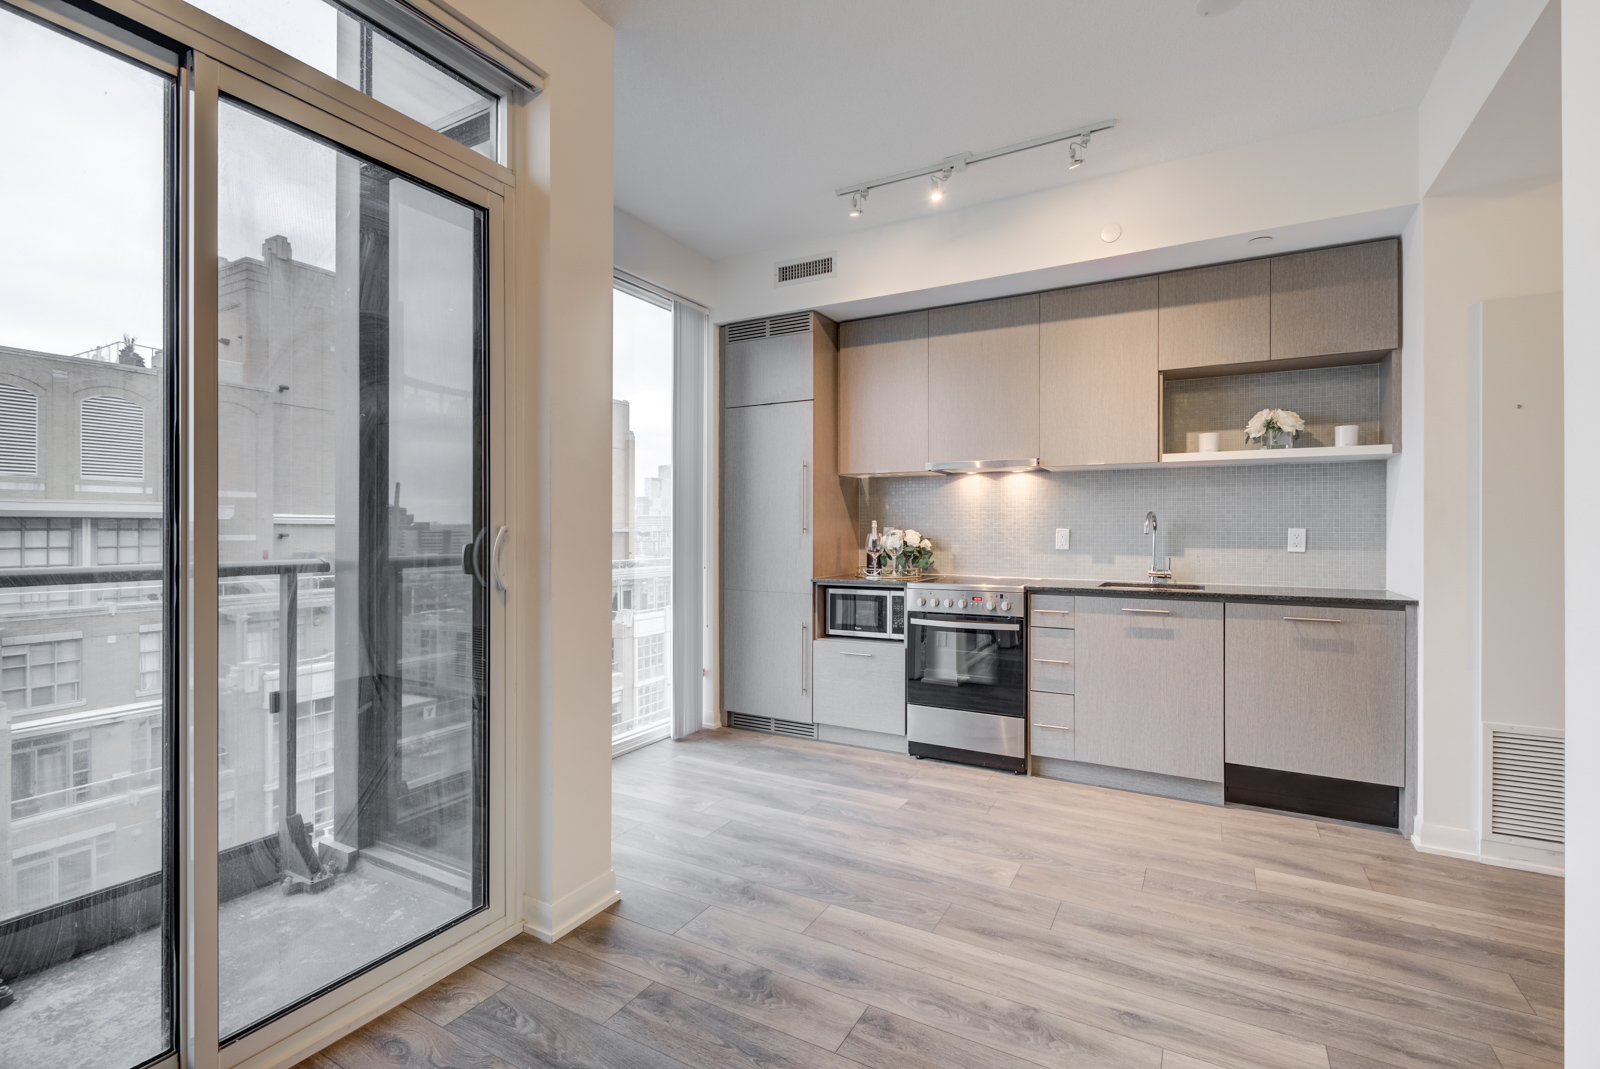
x=938, y=184
x=857, y=199
x=1075, y=152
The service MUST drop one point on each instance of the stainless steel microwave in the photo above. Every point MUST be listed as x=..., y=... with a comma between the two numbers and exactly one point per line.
x=866, y=612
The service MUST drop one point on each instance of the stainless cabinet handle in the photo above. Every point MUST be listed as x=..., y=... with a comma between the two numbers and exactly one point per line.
x=805, y=497
x=494, y=559
x=1049, y=660
x=804, y=646
x=851, y=653
x=1053, y=727
x=1058, y=612
x=1155, y=612
x=1312, y=620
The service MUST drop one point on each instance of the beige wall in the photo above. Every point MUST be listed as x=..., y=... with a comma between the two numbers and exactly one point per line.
x=1474, y=249
x=559, y=458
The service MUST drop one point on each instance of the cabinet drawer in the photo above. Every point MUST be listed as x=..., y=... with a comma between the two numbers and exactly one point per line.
x=1050, y=610
x=1050, y=725
x=859, y=683
x=1050, y=659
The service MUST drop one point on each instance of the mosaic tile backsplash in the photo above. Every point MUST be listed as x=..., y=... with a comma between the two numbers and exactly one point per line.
x=1225, y=525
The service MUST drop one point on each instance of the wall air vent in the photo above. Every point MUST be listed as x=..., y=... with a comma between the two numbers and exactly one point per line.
x=790, y=272
x=766, y=724
x=1527, y=785
x=751, y=329
x=19, y=431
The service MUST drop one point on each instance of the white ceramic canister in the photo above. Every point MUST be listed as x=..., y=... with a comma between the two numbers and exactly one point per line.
x=1210, y=441
x=1347, y=434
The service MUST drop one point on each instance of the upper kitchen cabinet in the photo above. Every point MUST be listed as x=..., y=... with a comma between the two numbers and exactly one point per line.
x=983, y=376
x=1216, y=315
x=883, y=395
x=1099, y=389
x=770, y=361
x=1332, y=301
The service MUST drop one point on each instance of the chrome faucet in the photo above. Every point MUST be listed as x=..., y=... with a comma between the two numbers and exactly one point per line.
x=1156, y=575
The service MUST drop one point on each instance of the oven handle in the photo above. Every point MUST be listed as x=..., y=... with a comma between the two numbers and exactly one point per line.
x=965, y=625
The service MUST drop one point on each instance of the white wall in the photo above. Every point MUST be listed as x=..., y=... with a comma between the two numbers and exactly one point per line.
x=558, y=449
x=647, y=253
x=1340, y=183
x=1580, y=118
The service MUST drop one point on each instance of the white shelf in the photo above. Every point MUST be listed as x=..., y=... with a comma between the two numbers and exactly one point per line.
x=1316, y=454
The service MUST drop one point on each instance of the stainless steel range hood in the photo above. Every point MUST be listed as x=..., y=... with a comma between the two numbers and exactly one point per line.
x=958, y=467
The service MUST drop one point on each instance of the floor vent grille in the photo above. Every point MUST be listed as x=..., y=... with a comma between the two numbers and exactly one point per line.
x=1528, y=786
x=803, y=270
x=770, y=726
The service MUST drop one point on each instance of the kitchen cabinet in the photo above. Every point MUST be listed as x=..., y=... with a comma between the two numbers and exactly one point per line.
x=1050, y=726
x=1099, y=391
x=1332, y=301
x=766, y=654
x=983, y=380
x=767, y=537
x=860, y=684
x=1317, y=690
x=1050, y=663
x=1149, y=685
x=769, y=369
x=883, y=395
x=1217, y=315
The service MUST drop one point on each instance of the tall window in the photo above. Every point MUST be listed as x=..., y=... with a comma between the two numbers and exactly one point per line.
x=151, y=668
x=643, y=353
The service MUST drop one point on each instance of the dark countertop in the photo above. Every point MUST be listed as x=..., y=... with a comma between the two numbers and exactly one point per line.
x=1356, y=599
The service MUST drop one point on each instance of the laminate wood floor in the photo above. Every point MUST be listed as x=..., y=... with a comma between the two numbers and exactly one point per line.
x=795, y=904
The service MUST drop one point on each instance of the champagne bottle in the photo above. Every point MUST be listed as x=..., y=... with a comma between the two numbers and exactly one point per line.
x=874, y=550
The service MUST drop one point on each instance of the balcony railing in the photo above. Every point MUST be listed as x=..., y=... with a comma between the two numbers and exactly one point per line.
x=82, y=794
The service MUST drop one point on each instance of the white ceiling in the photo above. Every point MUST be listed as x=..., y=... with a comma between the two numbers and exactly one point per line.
x=736, y=119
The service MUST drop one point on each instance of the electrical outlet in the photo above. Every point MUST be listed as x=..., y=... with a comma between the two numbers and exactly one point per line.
x=1063, y=538
x=1297, y=540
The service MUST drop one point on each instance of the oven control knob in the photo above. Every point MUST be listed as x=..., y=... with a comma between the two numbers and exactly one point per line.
x=948, y=603
x=1005, y=606
x=962, y=604
x=992, y=605
x=922, y=601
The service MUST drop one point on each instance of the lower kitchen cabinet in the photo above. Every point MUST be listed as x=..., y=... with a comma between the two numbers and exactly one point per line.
x=860, y=683
x=766, y=654
x=1149, y=685
x=1050, y=659
x=1317, y=690
x=1050, y=726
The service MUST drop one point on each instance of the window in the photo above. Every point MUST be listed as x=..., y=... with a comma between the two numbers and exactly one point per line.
x=37, y=541
x=112, y=438
x=35, y=674
x=19, y=431
x=150, y=667
x=342, y=45
x=147, y=754
x=127, y=541
x=650, y=660
x=48, y=772
x=63, y=872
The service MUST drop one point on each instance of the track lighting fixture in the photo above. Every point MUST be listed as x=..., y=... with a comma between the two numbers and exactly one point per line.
x=939, y=173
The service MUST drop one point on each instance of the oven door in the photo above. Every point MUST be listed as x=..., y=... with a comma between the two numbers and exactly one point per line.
x=976, y=666
x=859, y=613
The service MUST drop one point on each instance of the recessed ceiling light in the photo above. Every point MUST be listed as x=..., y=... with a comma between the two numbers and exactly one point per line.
x=1207, y=8
x=1261, y=239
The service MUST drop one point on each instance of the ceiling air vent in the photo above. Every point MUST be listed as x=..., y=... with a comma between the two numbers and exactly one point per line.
x=1527, y=788
x=792, y=271
x=792, y=728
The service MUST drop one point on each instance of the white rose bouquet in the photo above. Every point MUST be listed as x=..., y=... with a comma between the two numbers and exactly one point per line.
x=1269, y=422
x=918, y=551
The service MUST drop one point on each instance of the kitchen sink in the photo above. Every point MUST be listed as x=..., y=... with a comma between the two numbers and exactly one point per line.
x=1155, y=586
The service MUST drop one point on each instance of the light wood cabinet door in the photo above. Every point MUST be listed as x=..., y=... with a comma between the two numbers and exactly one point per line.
x=766, y=654
x=983, y=376
x=767, y=371
x=1329, y=301
x=1149, y=685
x=859, y=683
x=1215, y=315
x=883, y=395
x=1099, y=390
x=767, y=503
x=1317, y=690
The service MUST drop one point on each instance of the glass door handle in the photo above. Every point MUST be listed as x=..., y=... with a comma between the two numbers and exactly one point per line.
x=472, y=558
x=494, y=557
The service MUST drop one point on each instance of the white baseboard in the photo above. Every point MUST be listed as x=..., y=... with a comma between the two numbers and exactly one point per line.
x=550, y=921
x=1442, y=839
x=1527, y=858
x=305, y=1042
x=1465, y=844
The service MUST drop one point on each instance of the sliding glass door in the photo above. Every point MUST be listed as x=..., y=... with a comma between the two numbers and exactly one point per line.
x=250, y=575
x=352, y=563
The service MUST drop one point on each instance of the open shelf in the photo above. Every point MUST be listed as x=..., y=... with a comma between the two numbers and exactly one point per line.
x=1315, y=454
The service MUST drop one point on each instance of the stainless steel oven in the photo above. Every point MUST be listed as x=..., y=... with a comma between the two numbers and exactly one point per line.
x=967, y=674
x=866, y=612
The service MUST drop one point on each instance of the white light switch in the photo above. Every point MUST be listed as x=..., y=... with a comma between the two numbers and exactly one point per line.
x=1297, y=540
x=1063, y=538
